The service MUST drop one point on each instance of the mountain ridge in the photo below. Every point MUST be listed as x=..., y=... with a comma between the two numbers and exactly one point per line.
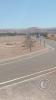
x=29, y=30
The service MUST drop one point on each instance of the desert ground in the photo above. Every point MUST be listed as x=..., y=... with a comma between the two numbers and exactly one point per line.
x=12, y=46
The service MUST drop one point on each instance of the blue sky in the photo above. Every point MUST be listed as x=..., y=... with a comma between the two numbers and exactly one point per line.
x=27, y=13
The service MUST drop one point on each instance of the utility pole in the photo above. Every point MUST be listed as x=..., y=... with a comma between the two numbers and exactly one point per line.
x=30, y=42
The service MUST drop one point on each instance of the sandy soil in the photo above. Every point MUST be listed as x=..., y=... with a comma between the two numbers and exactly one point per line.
x=12, y=46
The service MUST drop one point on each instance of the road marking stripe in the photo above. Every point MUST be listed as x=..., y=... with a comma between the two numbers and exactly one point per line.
x=22, y=77
x=27, y=80
x=31, y=78
x=50, y=69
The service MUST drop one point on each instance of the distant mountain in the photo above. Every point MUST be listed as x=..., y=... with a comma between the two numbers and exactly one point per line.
x=28, y=30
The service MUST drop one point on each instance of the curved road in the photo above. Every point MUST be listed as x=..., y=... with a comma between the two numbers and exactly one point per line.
x=19, y=68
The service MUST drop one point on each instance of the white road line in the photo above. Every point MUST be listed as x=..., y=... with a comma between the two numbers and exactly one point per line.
x=27, y=80
x=31, y=78
x=22, y=77
x=29, y=57
x=27, y=75
x=50, y=69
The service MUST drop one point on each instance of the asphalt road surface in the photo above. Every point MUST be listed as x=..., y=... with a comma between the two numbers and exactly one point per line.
x=24, y=67
x=41, y=87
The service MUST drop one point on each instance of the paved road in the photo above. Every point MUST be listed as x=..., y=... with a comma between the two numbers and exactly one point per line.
x=28, y=66
x=39, y=88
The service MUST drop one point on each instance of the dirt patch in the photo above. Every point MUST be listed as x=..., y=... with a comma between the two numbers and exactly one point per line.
x=12, y=46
